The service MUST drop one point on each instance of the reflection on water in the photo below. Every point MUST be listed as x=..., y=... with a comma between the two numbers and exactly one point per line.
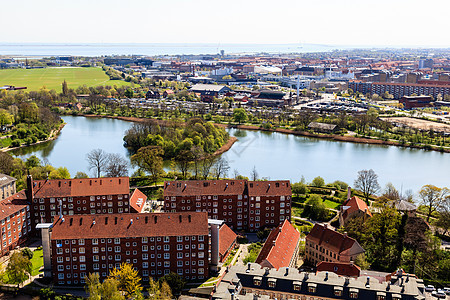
x=275, y=155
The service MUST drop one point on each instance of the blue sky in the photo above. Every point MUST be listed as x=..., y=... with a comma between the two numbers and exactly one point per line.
x=332, y=22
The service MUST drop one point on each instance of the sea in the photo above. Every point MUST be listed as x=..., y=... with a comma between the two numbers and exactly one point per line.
x=42, y=50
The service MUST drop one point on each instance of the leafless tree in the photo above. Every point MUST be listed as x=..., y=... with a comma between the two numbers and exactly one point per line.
x=206, y=166
x=367, y=183
x=254, y=174
x=117, y=165
x=97, y=160
x=220, y=168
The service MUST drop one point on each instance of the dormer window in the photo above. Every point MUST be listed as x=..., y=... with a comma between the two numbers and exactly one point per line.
x=312, y=288
x=297, y=285
x=353, y=293
x=272, y=282
x=381, y=296
x=257, y=280
x=338, y=291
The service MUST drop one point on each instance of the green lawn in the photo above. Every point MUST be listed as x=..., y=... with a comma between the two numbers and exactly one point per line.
x=52, y=78
x=331, y=204
x=37, y=261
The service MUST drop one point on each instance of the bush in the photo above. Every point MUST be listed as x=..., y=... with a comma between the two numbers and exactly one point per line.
x=318, y=182
x=299, y=188
x=340, y=185
x=15, y=143
x=27, y=253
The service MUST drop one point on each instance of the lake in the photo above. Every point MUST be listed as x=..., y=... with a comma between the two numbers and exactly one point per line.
x=274, y=155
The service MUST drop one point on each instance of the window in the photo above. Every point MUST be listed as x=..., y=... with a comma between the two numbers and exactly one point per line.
x=95, y=250
x=144, y=256
x=201, y=238
x=144, y=248
x=166, y=247
x=145, y=264
x=59, y=259
x=166, y=239
x=81, y=250
x=117, y=241
x=82, y=259
x=144, y=240
x=94, y=241
x=117, y=249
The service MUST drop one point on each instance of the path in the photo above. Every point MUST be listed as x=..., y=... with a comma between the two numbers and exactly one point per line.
x=243, y=253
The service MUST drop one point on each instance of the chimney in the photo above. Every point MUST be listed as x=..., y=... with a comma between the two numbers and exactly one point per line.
x=60, y=209
x=287, y=272
x=368, y=282
x=30, y=191
x=248, y=266
x=266, y=271
x=345, y=234
x=326, y=276
x=347, y=281
x=349, y=193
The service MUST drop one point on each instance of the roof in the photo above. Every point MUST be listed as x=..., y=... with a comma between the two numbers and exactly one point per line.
x=269, y=188
x=280, y=246
x=226, y=238
x=324, y=126
x=137, y=200
x=13, y=204
x=130, y=225
x=204, y=187
x=404, y=205
x=81, y=187
x=343, y=269
x=333, y=240
x=354, y=204
x=208, y=87
x=5, y=179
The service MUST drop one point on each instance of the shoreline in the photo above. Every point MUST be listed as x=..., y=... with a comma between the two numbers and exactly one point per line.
x=333, y=137
x=54, y=135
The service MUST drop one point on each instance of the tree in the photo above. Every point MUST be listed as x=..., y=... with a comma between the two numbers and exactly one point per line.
x=390, y=192
x=159, y=290
x=380, y=238
x=65, y=89
x=318, y=182
x=93, y=286
x=220, y=168
x=184, y=160
x=27, y=253
x=32, y=162
x=5, y=117
x=299, y=188
x=367, y=183
x=81, y=175
x=109, y=289
x=175, y=282
x=6, y=163
x=18, y=269
x=197, y=154
x=254, y=174
x=97, y=160
x=433, y=198
x=206, y=166
x=129, y=93
x=117, y=166
x=239, y=115
x=128, y=280
x=150, y=160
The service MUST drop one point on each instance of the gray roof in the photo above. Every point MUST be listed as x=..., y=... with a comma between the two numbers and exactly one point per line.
x=209, y=87
x=323, y=126
x=403, y=205
x=409, y=287
x=5, y=179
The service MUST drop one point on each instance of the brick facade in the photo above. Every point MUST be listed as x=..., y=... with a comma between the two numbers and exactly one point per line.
x=155, y=244
x=242, y=204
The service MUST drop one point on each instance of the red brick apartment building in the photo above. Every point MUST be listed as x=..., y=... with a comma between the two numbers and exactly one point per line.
x=325, y=244
x=82, y=196
x=15, y=218
x=242, y=204
x=155, y=244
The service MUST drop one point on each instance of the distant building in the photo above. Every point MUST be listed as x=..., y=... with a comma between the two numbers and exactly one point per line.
x=325, y=244
x=416, y=101
x=322, y=127
x=210, y=88
x=7, y=186
x=252, y=282
x=151, y=94
x=351, y=208
x=280, y=248
x=405, y=207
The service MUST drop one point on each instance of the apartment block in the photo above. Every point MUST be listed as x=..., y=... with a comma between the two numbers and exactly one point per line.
x=242, y=204
x=155, y=244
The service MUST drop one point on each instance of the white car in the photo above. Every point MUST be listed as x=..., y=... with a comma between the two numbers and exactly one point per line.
x=439, y=294
x=429, y=288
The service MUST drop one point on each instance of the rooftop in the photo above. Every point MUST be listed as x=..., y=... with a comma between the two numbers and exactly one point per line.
x=5, y=179
x=130, y=225
x=13, y=204
x=333, y=240
x=226, y=238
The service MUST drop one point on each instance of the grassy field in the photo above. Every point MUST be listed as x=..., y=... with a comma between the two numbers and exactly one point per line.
x=52, y=78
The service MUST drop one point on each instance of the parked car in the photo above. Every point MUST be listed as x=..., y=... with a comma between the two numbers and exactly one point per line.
x=439, y=294
x=447, y=290
x=429, y=288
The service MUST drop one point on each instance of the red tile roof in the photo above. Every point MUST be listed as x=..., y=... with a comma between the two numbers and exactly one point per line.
x=81, y=187
x=204, y=187
x=280, y=246
x=226, y=238
x=137, y=200
x=13, y=204
x=343, y=269
x=130, y=225
x=355, y=204
x=328, y=238
x=269, y=188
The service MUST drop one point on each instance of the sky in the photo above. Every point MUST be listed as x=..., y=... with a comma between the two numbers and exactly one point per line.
x=329, y=22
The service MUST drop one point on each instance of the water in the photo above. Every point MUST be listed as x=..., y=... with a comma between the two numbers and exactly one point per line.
x=275, y=155
x=32, y=49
